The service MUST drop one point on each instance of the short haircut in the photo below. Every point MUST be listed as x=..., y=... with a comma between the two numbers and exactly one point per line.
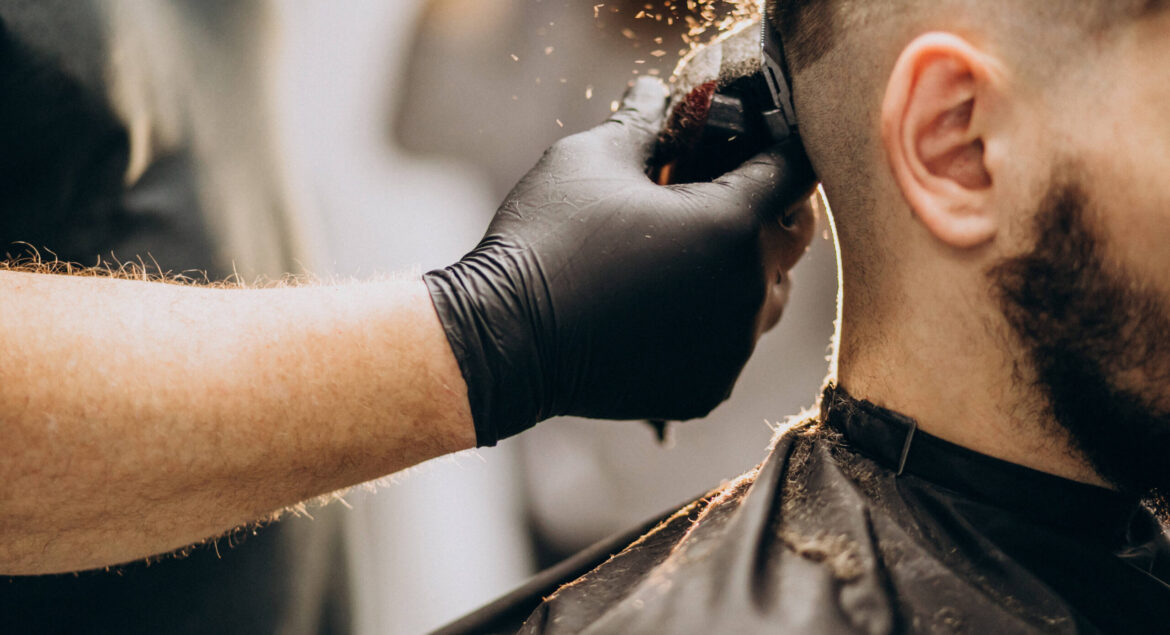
x=806, y=27
x=811, y=28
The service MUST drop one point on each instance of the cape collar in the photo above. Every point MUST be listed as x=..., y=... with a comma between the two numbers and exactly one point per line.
x=1101, y=515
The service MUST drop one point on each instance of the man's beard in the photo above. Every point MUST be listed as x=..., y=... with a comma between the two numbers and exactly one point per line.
x=1098, y=345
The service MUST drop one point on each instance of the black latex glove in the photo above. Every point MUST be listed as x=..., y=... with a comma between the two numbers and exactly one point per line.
x=599, y=294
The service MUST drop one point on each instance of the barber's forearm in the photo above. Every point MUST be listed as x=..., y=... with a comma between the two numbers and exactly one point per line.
x=138, y=418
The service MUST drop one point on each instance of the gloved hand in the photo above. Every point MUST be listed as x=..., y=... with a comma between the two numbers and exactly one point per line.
x=599, y=294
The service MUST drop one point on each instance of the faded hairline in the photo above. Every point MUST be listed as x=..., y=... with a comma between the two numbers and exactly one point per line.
x=812, y=28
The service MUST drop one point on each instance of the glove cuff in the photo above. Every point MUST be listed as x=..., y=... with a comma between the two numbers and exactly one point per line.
x=486, y=329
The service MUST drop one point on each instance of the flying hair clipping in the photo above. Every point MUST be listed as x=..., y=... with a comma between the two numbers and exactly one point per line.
x=730, y=100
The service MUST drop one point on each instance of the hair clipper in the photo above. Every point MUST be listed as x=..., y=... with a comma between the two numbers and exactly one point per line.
x=730, y=99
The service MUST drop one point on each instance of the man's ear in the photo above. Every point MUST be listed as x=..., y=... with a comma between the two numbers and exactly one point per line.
x=933, y=119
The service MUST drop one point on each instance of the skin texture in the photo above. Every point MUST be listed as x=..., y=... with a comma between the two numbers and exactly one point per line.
x=210, y=408
x=964, y=131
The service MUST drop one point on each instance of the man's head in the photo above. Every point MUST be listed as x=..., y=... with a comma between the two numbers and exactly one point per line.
x=996, y=170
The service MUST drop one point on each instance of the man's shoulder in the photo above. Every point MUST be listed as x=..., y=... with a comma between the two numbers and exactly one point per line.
x=817, y=539
x=604, y=572
x=760, y=553
x=589, y=590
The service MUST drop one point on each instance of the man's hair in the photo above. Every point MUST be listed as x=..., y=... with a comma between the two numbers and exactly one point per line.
x=810, y=28
x=806, y=27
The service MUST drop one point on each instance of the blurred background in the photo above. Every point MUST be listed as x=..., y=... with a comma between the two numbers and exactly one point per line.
x=470, y=94
x=370, y=137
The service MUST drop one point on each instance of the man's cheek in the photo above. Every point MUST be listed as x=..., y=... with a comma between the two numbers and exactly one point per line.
x=1129, y=190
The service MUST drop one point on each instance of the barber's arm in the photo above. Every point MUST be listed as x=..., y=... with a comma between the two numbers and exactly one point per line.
x=136, y=418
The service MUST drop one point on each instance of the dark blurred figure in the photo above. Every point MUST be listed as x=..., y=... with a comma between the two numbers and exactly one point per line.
x=100, y=159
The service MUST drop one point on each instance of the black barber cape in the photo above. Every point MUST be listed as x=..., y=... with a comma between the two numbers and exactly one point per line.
x=858, y=522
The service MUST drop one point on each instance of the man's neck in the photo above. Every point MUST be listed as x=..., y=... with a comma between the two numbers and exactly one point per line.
x=958, y=377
